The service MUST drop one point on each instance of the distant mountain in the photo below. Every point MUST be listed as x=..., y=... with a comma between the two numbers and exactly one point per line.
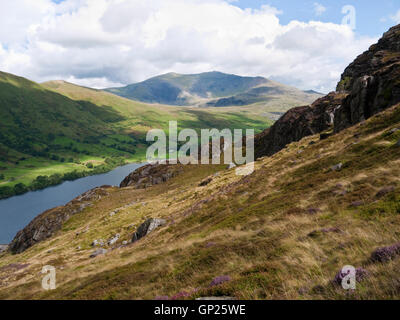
x=56, y=128
x=209, y=89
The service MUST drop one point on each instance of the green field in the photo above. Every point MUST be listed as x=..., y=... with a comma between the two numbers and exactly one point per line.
x=58, y=131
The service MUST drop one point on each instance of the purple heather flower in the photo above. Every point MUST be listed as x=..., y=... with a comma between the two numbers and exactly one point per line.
x=386, y=253
x=361, y=274
x=219, y=280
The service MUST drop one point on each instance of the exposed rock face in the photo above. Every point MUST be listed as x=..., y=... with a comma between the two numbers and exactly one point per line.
x=298, y=123
x=147, y=227
x=372, y=81
x=48, y=223
x=150, y=175
x=368, y=86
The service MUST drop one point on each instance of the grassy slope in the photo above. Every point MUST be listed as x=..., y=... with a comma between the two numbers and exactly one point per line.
x=81, y=125
x=257, y=229
x=40, y=127
x=140, y=117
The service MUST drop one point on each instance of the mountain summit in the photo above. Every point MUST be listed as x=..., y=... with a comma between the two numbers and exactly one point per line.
x=209, y=89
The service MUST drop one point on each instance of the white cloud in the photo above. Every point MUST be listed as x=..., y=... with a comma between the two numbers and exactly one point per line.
x=109, y=42
x=396, y=17
x=319, y=9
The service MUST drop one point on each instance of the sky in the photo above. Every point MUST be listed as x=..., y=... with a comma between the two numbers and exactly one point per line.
x=109, y=43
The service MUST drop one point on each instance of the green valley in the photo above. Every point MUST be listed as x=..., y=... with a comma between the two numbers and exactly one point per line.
x=59, y=131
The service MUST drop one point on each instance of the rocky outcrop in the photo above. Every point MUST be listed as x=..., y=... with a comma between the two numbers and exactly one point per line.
x=48, y=223
x=372, y=80
x=151, y=174
x=368, y=86
x=298, y=123
x=147, y=227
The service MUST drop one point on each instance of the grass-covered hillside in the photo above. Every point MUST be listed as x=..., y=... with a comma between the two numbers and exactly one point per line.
x=58, y=131
x=284, y=232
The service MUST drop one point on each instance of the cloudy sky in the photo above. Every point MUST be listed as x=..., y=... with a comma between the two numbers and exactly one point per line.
x=104, y=43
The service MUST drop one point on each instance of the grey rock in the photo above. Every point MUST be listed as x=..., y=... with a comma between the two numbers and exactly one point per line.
x=296, y=124
x=114, y=239
x=98, y=252
x=147, y=227
x=98, y=243
x=337, y=167
x=370, y=81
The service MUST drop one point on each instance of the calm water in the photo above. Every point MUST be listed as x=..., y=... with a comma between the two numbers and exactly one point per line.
x=17, y=212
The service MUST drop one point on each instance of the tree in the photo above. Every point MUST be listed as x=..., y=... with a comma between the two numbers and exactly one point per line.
x=20, y=188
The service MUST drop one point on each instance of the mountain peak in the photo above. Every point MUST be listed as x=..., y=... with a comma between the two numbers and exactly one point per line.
x=206, y=89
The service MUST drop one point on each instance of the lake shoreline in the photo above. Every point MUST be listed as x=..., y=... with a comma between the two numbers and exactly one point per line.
x=18, y=211
x=82, y=174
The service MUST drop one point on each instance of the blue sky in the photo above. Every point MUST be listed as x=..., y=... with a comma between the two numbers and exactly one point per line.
x=373, y=17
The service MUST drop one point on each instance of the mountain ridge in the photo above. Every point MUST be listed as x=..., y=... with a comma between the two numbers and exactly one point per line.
x=206, y=89
x=322, y=200
x=58, y=130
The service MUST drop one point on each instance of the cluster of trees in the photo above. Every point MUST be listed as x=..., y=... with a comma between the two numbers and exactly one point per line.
x=42, y=182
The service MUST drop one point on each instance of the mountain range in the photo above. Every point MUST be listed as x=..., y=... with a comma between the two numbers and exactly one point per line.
x=212, y=89
x=324, y=194
x=58, y=130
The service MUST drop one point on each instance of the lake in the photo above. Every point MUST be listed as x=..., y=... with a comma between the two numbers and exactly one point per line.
x=18, y=211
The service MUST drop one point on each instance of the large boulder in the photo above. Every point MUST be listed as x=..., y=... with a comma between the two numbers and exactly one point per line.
x=147, y=227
